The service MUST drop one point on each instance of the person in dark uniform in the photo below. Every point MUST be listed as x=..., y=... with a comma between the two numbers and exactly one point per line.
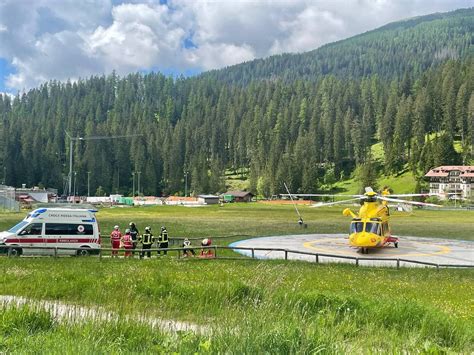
x=134, y=234
x=163, y=240
x=188, y=251
x=147, y=241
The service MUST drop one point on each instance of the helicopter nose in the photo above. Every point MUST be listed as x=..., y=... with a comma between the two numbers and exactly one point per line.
x=364, y=239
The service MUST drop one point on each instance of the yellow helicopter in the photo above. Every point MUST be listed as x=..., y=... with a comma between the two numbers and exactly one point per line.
x=370, y=228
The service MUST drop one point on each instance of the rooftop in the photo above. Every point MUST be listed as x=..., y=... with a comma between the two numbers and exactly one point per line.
x=238, y=193
x=443, y=171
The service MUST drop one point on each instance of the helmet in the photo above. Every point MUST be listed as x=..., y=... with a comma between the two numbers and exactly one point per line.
x=163, y=228
x=205, y=241
x=131, y=224
x=147, y=228
x=127, y=231
x=116, y=227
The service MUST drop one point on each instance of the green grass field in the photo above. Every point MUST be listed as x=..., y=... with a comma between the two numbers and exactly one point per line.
x=257, y=219
x=247, y=306
x=250, y=306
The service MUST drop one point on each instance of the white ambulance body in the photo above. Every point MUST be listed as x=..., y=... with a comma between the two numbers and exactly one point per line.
x=60, y=228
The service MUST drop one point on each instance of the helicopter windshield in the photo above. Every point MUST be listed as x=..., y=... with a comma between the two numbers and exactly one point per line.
x=371, y=227
x=357, y=227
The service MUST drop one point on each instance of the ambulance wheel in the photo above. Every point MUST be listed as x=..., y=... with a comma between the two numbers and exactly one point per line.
x=15, y=252
x=84, y=251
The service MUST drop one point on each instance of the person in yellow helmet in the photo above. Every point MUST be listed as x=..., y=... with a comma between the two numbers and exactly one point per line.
x=147, y=241
x=163, y=241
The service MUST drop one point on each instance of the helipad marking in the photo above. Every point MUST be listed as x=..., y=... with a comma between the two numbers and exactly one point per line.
x=443, y=249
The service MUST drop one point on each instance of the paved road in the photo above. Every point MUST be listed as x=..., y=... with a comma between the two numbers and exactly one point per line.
x=433, y=250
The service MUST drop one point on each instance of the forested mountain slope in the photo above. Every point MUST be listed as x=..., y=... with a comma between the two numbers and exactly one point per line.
x=411, y=46
x=306, y=133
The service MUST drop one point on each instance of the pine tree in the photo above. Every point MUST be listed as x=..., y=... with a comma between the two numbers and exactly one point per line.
x=444, y=152
x=367, y=175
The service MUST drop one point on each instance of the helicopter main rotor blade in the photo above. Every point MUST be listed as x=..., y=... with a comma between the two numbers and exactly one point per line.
x=319, y=195
x=337, y=202
x=413, y=195
x=407, y=202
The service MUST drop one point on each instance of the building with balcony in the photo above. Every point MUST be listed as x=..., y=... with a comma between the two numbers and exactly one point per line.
x=452, y=181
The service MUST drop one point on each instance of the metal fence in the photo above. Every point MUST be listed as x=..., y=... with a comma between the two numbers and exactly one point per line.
x=7, y=199
x=13, y=251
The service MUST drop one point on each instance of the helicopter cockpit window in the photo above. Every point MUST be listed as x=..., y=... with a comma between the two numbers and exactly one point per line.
x=357, y=227
x=372, y=227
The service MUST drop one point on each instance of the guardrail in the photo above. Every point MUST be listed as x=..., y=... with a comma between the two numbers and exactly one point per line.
x=179, y=240
x=57, y=251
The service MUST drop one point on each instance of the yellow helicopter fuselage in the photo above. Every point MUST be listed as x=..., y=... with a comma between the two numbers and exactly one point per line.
x=367, y=233
x=369, y=229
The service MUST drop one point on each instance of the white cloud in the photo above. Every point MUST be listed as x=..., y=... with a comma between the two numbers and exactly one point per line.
x=68, y=39
x=11, y=96
x=210, y=56
x=141, y=36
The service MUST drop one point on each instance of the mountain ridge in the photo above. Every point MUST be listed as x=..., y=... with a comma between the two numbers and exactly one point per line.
x=309, y=132
x=313, y=64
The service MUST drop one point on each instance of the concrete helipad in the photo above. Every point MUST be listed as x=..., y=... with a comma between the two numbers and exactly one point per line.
x=431, y=250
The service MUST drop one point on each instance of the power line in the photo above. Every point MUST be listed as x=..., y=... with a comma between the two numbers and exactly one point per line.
x=72, y=139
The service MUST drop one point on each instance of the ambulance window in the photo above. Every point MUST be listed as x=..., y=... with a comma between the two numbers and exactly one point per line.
x=17, y=227
x=69, y=229
x=33, y=229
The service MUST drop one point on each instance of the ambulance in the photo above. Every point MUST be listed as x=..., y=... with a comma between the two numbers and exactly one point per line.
x=53, y=231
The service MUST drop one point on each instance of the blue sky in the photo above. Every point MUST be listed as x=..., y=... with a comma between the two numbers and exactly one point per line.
x=43, y=40
x=5, y=70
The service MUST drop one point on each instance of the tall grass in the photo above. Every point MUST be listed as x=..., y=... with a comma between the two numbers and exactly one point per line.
x=246, y=307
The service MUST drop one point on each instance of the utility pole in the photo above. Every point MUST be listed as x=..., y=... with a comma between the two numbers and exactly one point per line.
x=133, y=186
x=70, y=163
x=185, y=183
x=138, y=172
x=72, y=139
x=74, y=196
x=88, y=183
x=118, y=179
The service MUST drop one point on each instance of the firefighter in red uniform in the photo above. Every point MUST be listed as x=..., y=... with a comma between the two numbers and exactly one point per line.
x=206, y=252
x=115, y=238
x=127, y=243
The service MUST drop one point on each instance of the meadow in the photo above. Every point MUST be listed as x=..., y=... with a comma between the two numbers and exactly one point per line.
x=244, y=306
x=237, y=220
